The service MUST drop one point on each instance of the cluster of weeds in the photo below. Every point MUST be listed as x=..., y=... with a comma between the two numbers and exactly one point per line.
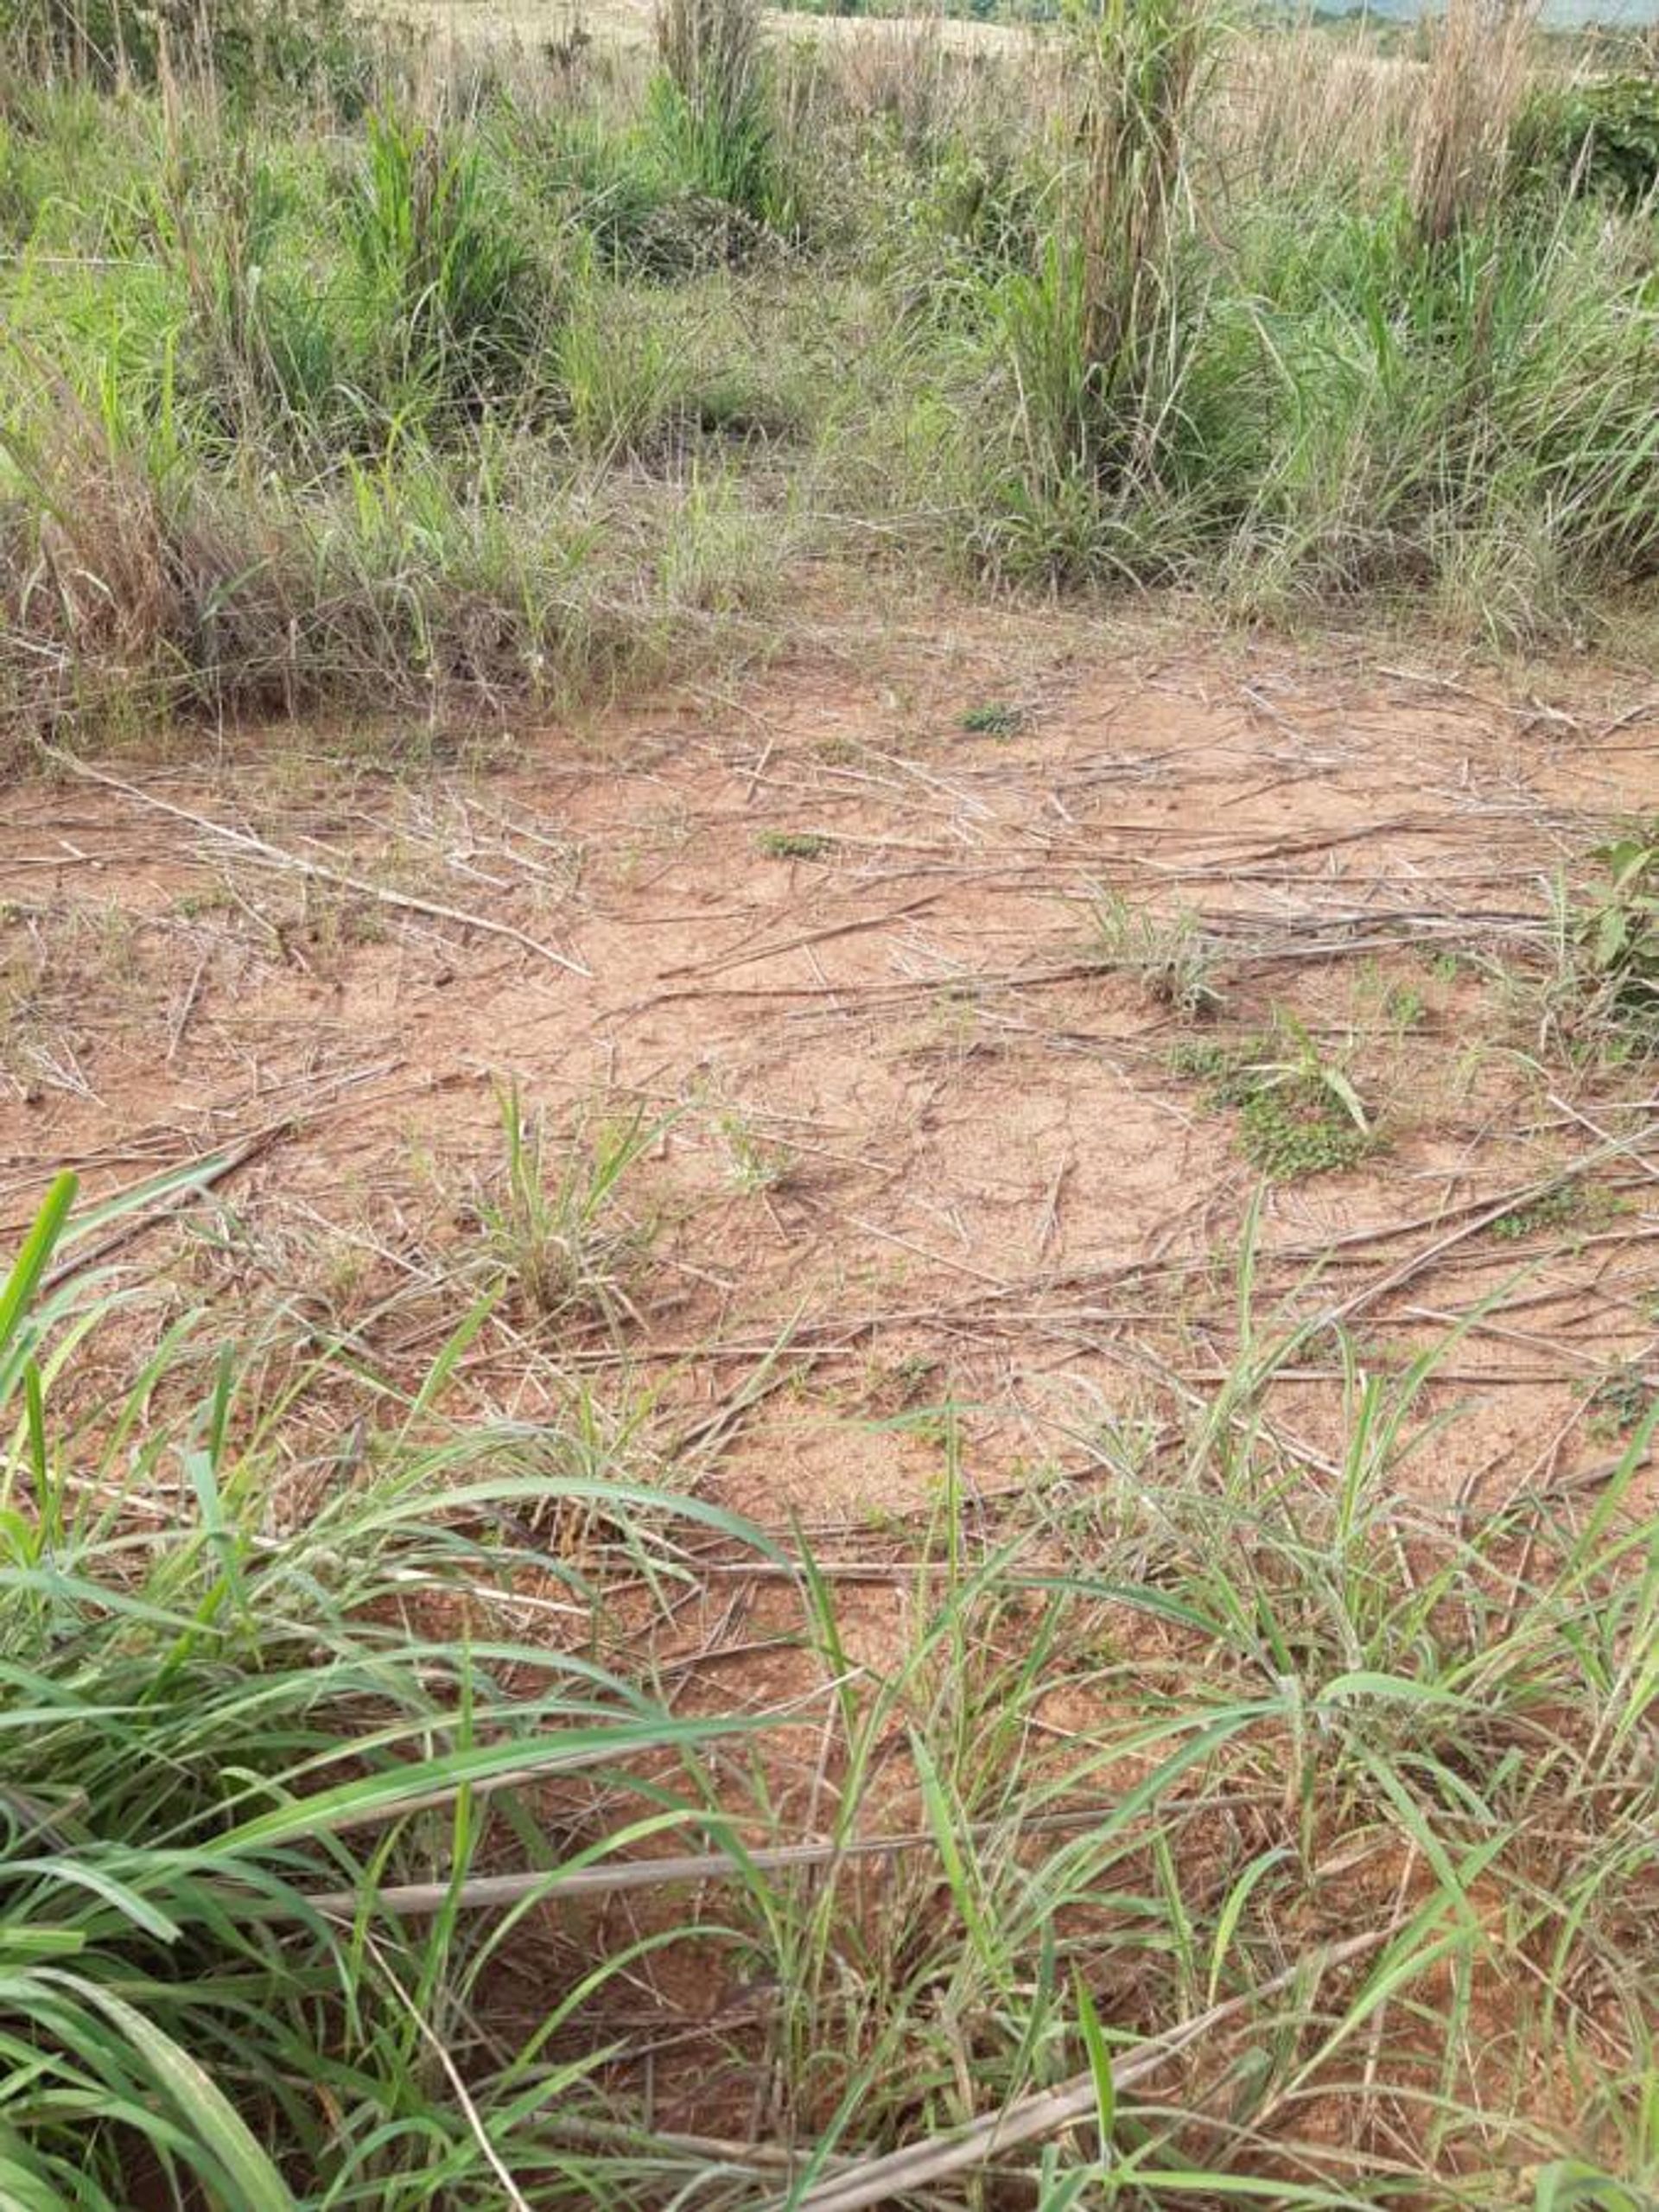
x=1559, y=1208
x=755, y=1163
x=1299, y=1113
x=1298, y=1125
x=795, y=844
x=258, y=1724
x=1168, y=954
x=308, y=1799
x=459, y=293
x=556, y=1220
x=711, y=101
x=419, y=391
x=994, y=719
x=1616, y=934
x=1620, y=1402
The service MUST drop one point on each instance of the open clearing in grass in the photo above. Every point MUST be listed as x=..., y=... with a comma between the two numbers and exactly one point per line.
x=798, y=1084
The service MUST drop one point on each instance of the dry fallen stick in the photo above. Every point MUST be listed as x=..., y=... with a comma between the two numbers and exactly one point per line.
x=741, y=959
x=1527, y=1194
x=421, y=1899
x=269, y=855
x=1047, y=2112
x=214, y=1168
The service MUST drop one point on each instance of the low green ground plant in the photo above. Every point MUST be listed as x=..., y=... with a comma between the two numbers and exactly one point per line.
x=1299, y=1111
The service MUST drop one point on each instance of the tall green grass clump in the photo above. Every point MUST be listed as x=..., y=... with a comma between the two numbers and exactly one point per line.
x=712, y=101
x=1096, y=334
x=230, y=1725
x=460, y=297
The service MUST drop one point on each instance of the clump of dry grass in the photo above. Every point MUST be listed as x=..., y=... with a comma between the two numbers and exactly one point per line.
x=1477, y=76
x=1310, y=108
x=1146, y=62
x=711, y=48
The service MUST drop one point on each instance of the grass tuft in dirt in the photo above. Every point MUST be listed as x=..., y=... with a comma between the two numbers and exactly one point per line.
x=1193, y=1781
x=557, y=1220
x=1169, y=956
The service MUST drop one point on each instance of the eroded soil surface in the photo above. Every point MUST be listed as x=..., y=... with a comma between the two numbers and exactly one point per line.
x=929, y=1121
x=919, y=972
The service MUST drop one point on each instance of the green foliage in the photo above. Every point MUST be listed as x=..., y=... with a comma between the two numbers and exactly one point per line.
x=993, y=718
x=711, y=105
x=253, y=49
x=1169, y=956
x=293, y=1777
x=1556, y=1209
x=1298, y=1114
x=216, y=1716
x=302, y=350
x=556, y=1220
x=1620, y=1402
x=795, y=844
x=458, y=293
x=1617, y=932
x=1298, y=1126
x=1597, y=136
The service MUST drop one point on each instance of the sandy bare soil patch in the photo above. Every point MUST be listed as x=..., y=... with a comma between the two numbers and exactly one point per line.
x=870, y=949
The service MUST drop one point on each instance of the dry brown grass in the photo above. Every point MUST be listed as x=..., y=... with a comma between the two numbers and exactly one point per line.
x=1477, y=76
x=1310, y=106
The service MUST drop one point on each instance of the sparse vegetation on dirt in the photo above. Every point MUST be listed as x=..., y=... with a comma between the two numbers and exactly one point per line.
x=1298, y=1113
x=847, y=1396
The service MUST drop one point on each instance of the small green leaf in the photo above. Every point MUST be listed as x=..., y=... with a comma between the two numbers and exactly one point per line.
x=1100, y=2065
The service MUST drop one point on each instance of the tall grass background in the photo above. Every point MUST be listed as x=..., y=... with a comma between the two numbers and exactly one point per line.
x=476, y=379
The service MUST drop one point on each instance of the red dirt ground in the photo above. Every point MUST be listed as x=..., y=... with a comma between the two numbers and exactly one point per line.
x=914, y=1138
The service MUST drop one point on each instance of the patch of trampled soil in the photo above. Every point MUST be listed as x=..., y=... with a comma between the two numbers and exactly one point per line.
x=915, y=1142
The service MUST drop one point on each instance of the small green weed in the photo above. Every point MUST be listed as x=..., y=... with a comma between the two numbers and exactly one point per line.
x=1555, y=1209
x=1209, y=1060
x=795, y=844
x=1619, y=1402
x=1298, y=1114
x=755, y=1163
x=994, y=719
x=1403, y=1006
x=559, y=1233
x=1616, y=936
x=1298, y=1127
x=1168, y=954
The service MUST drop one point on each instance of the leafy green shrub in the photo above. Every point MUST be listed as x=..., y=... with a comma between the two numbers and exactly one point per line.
x=1617, y=933
x=1596, y=137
